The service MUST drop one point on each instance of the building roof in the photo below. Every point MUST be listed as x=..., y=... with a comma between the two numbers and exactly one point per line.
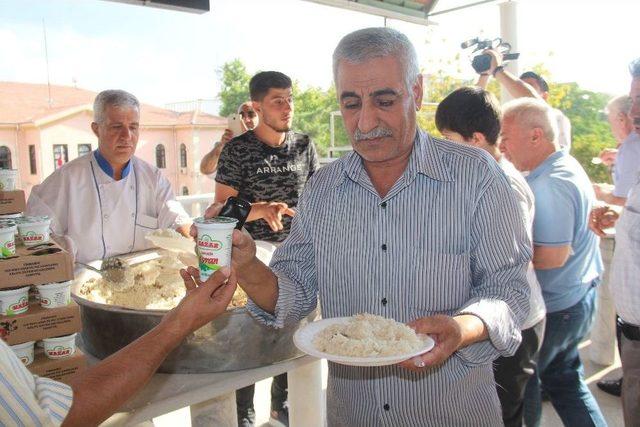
x=29, y=103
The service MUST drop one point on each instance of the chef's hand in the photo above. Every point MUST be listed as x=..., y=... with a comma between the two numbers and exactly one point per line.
x=203, y=301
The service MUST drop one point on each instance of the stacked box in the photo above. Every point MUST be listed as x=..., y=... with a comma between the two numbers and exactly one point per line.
x=46, y=263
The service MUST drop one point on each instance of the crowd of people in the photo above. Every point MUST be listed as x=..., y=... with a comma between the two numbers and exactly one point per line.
x=486, y=239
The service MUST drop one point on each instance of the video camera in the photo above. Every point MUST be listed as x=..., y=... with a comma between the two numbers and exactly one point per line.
x=482, y=62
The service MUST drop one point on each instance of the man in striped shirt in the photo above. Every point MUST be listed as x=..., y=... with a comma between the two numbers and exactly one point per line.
x=97, y=392
x=409, y=227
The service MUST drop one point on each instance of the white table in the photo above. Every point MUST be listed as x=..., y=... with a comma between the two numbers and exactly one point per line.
x=169, y=392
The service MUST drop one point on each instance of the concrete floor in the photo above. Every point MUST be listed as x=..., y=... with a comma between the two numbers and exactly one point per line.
x=610, y=405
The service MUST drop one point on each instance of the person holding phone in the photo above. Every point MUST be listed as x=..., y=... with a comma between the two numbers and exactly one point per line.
x=245, y=120
x=268, y=167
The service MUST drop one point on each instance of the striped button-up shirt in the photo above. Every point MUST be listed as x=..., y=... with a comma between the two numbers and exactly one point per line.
x=448, y=238
x=29, y=400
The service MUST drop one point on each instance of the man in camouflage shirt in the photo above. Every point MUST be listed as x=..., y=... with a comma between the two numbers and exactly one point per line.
x=267, y=166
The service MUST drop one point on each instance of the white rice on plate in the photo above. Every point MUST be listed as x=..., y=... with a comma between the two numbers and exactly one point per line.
x=367, y=335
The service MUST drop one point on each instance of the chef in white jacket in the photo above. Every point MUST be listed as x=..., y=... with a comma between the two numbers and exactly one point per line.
x=104, y=203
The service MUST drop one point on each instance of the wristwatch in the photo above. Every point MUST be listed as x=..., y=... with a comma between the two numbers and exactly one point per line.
x=498, y=68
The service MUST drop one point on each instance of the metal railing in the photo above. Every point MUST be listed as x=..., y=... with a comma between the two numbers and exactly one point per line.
x=196, y=204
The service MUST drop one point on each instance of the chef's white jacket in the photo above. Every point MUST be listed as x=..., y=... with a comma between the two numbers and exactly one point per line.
x=101, y=216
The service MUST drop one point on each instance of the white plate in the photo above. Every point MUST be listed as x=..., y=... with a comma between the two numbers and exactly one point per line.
x=173, y=244
x=303, y=339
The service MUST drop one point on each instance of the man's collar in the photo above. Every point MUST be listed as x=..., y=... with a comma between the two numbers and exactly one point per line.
x=426, y=159
x=546, y=164
x=106, y=167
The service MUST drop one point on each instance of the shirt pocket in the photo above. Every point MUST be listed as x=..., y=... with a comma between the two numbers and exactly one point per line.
x=442, y=283
x=146, y=221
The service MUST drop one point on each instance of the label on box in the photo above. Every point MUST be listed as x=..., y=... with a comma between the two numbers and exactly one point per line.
x=39, y=265
x=57, y=369
x=12, y=202
x=38, y=323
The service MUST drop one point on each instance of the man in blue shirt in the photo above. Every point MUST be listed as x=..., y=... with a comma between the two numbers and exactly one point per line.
x=566, y=257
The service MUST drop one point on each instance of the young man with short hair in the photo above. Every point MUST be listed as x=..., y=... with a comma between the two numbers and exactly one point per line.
x=267, y=166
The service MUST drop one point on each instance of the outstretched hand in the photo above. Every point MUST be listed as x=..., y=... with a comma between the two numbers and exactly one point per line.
x=204, y=301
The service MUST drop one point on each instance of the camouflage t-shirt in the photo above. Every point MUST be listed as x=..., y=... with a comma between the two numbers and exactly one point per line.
x=262, y=173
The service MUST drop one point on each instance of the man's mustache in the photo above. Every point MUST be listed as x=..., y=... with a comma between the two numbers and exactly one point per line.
x=379, y=132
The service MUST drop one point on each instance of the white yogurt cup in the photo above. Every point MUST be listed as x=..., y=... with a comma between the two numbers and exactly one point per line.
x=60, y=347
x=55, y=295
x=13, y=217
x=24, y=352
x=213, y=244
x=7, y=239
x=34, y=230
x=14, y=301
x=8, y=179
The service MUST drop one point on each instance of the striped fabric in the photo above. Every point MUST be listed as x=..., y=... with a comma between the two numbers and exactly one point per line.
x=448, y=238
x=29, y=400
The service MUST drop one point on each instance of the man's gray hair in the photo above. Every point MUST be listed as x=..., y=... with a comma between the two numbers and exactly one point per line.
x=619, y=105
x=369, y=43
x=112, y=97
x=532, y=113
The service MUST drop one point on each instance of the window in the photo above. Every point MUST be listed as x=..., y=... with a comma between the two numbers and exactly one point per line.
x=185, y=191
x=161, y=161
x=33, y=165
x=60, y=155
x=83, y=149
x=5, y=158
x=183, y=156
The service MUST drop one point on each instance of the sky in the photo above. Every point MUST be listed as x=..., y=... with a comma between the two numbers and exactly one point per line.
x=167, y=56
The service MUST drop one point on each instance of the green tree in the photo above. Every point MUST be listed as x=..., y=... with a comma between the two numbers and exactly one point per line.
x=235, y=87
x=313, y=108
x=590, y=131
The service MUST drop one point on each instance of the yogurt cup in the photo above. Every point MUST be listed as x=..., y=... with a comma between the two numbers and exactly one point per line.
x=15, y=217
x=14, y=301
x=60, y=347
x=7, y=239
x=55, y=295
x=213, y=243
x=24, y=352
x=34, y=230
x=8, y=179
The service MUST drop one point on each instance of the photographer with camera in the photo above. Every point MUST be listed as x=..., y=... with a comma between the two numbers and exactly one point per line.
x=529, y=85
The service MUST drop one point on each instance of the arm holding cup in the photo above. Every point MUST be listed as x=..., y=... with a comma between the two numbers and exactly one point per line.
x=257, y=279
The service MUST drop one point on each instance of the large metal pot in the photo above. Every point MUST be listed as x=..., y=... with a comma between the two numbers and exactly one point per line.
x=233, y=341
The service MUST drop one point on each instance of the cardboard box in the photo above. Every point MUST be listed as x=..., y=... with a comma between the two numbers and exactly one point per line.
x=44, y=264
x=12, y=202
x=57, y=369
x=38, y=323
